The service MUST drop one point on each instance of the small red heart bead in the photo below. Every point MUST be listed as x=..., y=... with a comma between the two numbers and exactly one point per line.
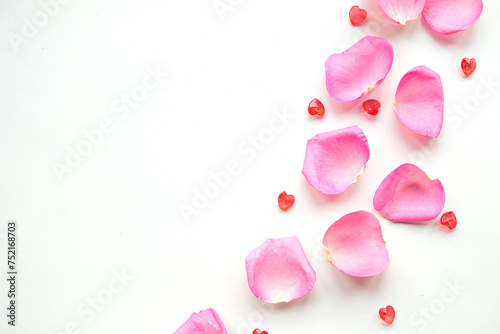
x=316, y=108
x=357, y=15
x=468, y=66
x=258, y=331
x=387, y=314
x=285, y=201
x=371, y=107
x=449, y=220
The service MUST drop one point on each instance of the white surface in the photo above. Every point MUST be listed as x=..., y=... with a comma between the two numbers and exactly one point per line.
x=119, y=209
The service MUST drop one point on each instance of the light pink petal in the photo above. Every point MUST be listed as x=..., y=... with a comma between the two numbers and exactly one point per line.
x=420, y=101
x=355, y=245
x=407, y=194
x=447, y=17
x=334, y=160
x=401, y=11
x=205, y=322
x=358, y=70
x=278, y=270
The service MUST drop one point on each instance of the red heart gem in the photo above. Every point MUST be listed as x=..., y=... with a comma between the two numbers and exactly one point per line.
x=258, y=331
x=357, y=15
x=285, y=201
x=387, y=314
x=316, y=108
x=468, y=66
x=371, y=106
x=449, y=220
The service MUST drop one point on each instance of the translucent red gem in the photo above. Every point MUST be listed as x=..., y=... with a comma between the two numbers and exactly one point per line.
x=357, y=15
x=316, y=108
x=468, y=66
x=258, y=331
x=285, y=201
x=449, y=220
x=371, y=106
x=387, y=314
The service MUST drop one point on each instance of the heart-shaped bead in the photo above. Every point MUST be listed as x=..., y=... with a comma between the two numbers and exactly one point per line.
x=258, y=331
x=357, y=15
x=316, y=108
x=449, y=220
x=468, y=66
x=387, y=314
x=371, y=107
x=285, y=201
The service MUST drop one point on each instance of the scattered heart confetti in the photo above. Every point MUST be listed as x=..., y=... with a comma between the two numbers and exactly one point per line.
x=357, y=16
x=449, y=220
x=258, y=331
x=468, y=66
x=316, y=108
x=371, y=107
x=285, y=201
x=387, y=314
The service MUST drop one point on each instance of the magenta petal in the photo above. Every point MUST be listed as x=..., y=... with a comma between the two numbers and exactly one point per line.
x=399, y=12
x=358, y=70
x=407, y=194
x=205, y=322
x=278, y=270
x=334, y=160
x=355, y=245
x=447, y=17
x=420, y=101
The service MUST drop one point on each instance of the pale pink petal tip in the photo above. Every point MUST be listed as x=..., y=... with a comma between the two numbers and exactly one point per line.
x=407, y=194
x=400, y=12
x=355, y=245
x=358, y=70
x=278, y=270
x=334, y=160
x=447, y=17
x=205, y=322
x=419, y=101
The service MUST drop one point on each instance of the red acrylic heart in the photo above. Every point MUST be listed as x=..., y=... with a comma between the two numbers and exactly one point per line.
x=387, y=314
x=468, y=66
x=285, y=201
x=357, y=15
x=258, y=331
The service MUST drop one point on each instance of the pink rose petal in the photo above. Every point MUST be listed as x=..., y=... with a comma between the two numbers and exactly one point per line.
x=278, y=270
x=355, y=245
x=205, y=322
x=334, y=160
x=401, y=11
x=407, y=194
x=358, y=70
x=447, y=17
x=420, y=101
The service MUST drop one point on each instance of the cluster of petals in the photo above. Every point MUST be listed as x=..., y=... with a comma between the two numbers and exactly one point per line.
x=443, y=17
x=204, y=322
x=360, y=69
x=419, y=101
x=355, y=245
x=278, y=270
x=334, y=160
x=407, y=194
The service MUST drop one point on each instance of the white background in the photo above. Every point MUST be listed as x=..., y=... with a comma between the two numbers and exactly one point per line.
x=118, y=210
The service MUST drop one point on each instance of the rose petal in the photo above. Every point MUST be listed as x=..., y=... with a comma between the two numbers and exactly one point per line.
x=420, y=101
x=278, y=270
x=399, y=12
x=334, y=160
x=358, y=70
x=407, y=194
x=355, y=245
x=447, y=17
x=205, y=322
